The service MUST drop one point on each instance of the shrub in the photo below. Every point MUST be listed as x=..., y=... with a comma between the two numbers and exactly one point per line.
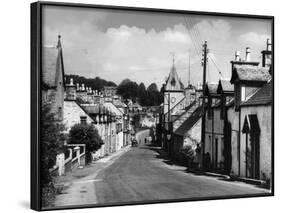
x=188, y=153
x=86, y=134
x=51, y=143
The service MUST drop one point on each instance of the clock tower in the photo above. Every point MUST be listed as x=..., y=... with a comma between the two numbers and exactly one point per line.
x=173, y=90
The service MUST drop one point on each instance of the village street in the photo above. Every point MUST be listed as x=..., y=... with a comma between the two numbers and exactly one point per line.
x=143, y=173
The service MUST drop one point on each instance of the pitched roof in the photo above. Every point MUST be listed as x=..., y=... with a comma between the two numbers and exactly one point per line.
x=111, y=107
x=211, y=88
x=225, y=86
x=263, y=96
x=190, y=122
x=71, y=114
x=173, y=80
x=49, y=65
x=91, y=109
x=52, y=62
x=250, y=73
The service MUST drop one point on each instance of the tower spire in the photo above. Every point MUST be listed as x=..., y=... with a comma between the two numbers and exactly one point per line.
x=173, y=58
x=59, y=42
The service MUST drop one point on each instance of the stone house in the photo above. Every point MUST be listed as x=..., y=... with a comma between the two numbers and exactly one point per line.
x=226, y=92
x=118, y=124
x=249, y=120
x=256, y=137
x=216, y=146
x=213, y=133
x=52, y=82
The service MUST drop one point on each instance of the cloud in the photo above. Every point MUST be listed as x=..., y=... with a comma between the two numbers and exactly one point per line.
x=141, y=54
x=120, y=52
x=253, y=38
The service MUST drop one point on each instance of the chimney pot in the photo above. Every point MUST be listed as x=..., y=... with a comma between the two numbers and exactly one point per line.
x=71, y=81
x=268, y=45
x=248, y=51
x=237, y=56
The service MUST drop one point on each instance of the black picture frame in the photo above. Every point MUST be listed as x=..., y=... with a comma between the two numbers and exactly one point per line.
x=36, y=63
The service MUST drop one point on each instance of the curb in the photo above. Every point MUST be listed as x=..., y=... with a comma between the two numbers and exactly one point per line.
x=249, y=180
x=109, y=157
x=217, y=175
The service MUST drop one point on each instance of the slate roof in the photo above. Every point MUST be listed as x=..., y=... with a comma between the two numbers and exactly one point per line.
x=211, y=88
x=113, y=108
x=225, y=86
x=262, y=97
x=250, y=73
x=190, y=122
x=49, y=65
x=51, y=57
x=91, y=109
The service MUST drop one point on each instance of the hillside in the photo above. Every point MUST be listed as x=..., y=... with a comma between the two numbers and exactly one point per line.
x=96, y=83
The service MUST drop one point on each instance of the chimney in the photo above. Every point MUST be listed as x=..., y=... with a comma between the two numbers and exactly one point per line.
x=268, y=45
x=70, y=91
x=237, y=56
x=266, y=54
x=248, y=51
x=71, y=82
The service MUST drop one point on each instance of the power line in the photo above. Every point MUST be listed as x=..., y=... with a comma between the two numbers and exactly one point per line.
x=219, y=71
x=198, y=37
x=191, y=36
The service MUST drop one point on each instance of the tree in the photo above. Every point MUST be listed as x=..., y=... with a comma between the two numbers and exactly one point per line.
x=51, y=143
x=85, y=134
x=128, y=90
x=95, y=83
x=154, y=96
x=142, y=94
x=125, y=81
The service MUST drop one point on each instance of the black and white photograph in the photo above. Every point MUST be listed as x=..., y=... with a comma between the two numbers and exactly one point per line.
x=140, y=106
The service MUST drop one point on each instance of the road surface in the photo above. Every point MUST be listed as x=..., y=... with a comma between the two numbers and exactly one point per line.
x=142, y=174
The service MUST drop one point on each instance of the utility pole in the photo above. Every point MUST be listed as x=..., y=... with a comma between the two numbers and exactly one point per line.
x=188, y=68
x=204, y=64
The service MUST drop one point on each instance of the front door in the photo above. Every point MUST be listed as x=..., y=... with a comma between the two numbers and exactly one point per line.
x=255, y=156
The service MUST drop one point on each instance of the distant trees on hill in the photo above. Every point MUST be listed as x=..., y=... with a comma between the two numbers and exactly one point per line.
x=150, y=96
x=96, y=83
x=138, y=93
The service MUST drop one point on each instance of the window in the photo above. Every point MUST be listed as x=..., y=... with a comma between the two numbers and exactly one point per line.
x=243, y=93
x=237, y=98
x=60, y=113
x=222, y=111
x=210, y=113
x=83, y=119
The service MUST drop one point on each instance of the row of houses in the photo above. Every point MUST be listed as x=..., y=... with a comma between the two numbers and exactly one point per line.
x=73, y=104
x=238, y=119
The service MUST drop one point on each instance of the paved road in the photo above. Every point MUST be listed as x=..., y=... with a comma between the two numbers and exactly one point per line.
x=143, y=174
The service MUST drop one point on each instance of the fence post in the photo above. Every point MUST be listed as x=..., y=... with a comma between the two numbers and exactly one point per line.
x=60, y=163
x=77, y=149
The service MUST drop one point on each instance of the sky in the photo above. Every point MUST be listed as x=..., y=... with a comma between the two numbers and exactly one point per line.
x=115, y=44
